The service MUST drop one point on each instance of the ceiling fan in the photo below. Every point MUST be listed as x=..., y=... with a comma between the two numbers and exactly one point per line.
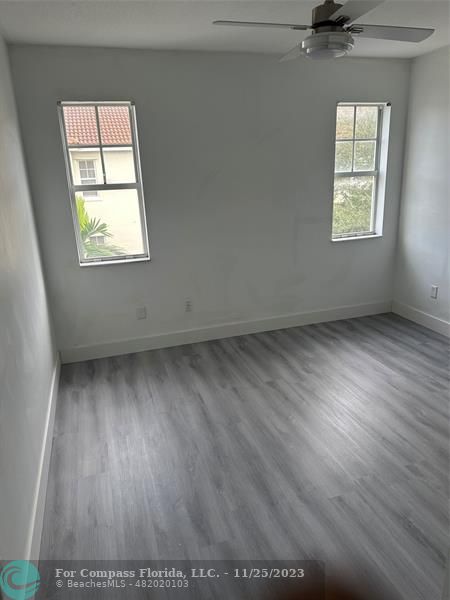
x=333, y=29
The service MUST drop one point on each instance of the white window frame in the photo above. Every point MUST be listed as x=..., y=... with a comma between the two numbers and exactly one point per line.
x=102, y=185
x=378, y=172
x=92, y=195
x=86, y=168
x=95, y=239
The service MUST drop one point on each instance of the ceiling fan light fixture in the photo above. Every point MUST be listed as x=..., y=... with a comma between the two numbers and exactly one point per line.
x=327, y=44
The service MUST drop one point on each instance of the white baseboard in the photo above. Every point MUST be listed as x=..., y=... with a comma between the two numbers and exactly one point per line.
x=34, y=539
x=223, y=330
x=446, y=592
x=422, y=318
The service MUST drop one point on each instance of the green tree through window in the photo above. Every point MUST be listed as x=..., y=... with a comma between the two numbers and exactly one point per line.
x=92, y=229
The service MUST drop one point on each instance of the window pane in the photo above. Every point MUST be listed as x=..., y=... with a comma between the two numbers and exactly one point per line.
x=344, y=122
x=115, y=130
x=365, y=156
x=352, y=207
x=87, y=171
x=81, y=125
x=119, y=165
x=366, y=121
x=115, y=126
x=86, y=166
x=344, y=157
x=111, y=226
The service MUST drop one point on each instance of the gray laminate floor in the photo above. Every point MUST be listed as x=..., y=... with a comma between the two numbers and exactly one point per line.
x=328, y=441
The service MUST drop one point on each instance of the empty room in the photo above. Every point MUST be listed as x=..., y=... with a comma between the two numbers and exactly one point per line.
x=224, y=299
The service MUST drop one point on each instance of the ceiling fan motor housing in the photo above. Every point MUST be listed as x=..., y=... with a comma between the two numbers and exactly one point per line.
x=327, y=44
x=322, y=13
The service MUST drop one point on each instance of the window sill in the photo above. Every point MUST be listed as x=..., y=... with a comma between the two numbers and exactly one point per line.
x=107, y=263
x=357, y=237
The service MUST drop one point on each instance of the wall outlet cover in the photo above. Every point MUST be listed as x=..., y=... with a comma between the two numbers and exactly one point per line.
x=141, y=313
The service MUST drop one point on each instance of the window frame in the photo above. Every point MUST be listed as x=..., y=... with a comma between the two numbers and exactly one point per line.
x=103, y=186
x=94, y=168
x=96, y=237
x=94, y=196
x=375, y=219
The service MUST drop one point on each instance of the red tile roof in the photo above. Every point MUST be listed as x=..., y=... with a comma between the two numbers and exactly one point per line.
x=81, y=125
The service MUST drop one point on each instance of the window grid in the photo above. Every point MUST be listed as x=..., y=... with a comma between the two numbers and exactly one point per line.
x=88, y=172
x=97, y=187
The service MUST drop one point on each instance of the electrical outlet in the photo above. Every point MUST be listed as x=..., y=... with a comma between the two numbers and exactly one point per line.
x=188, y=305
x=141, y=313
x=434, y=291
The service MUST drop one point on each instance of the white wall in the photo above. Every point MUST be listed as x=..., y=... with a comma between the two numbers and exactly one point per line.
x=423, y=246
x=27, y=354
x=237, y=156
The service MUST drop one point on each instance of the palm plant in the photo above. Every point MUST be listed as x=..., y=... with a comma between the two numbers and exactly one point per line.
x=90, y=227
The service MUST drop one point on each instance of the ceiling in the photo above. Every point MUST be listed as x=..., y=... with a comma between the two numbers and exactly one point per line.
x=186, y=24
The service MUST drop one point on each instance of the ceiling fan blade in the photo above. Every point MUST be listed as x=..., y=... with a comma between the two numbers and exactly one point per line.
x=353, y=9
x=262, y=24
x=296, y=52
x=388, y=32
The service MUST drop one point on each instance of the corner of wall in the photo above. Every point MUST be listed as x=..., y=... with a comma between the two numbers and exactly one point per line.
x=30, y=366
x=37, y=519
x=402, y=185
x=421, y=254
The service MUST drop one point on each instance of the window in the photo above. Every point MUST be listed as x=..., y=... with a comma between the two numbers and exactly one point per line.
x=359, y=169
x=98, y=240
x=88, y=175
x=102, y=161
x=87, y=172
